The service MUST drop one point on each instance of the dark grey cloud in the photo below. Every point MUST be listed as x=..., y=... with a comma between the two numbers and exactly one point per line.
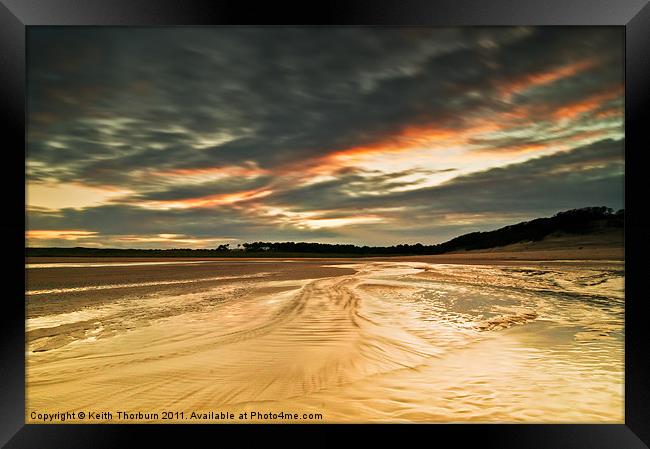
x=280, y=94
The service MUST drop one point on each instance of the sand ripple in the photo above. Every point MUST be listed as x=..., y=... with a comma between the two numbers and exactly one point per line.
x=395, y=341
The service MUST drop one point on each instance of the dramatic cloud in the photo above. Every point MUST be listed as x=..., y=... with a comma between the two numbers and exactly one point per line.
x=198, y=136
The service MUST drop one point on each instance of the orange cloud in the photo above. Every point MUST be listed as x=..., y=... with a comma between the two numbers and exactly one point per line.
x=410, y=138
x=207, y=201
x=589, y=104
x=609, y=113
x=549, y=76
x=421, y=137
x=70, y=234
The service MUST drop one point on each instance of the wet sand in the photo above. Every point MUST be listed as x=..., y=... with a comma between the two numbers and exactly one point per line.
x=418, y=339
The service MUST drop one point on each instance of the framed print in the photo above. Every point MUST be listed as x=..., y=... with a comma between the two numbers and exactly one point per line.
x=349, y=218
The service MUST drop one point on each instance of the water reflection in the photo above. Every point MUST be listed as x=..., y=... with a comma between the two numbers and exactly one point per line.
x=392, y=342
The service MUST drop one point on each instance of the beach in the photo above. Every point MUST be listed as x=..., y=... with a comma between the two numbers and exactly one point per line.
x=482, y=337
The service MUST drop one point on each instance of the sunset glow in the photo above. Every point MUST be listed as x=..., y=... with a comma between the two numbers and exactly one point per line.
x=195, y=137
x=36, y=234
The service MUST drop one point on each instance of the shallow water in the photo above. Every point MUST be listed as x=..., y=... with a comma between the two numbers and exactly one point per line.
x=393, y=342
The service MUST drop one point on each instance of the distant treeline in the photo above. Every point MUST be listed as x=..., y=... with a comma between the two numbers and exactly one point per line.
x=577, y=221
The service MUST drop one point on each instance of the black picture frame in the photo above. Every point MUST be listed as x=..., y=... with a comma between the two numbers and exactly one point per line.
x=634, y=15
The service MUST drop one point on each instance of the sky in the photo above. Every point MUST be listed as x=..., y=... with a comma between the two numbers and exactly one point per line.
x=200, y=136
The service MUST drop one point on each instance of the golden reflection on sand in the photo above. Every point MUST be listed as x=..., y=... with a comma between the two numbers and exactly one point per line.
x=373, y=342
